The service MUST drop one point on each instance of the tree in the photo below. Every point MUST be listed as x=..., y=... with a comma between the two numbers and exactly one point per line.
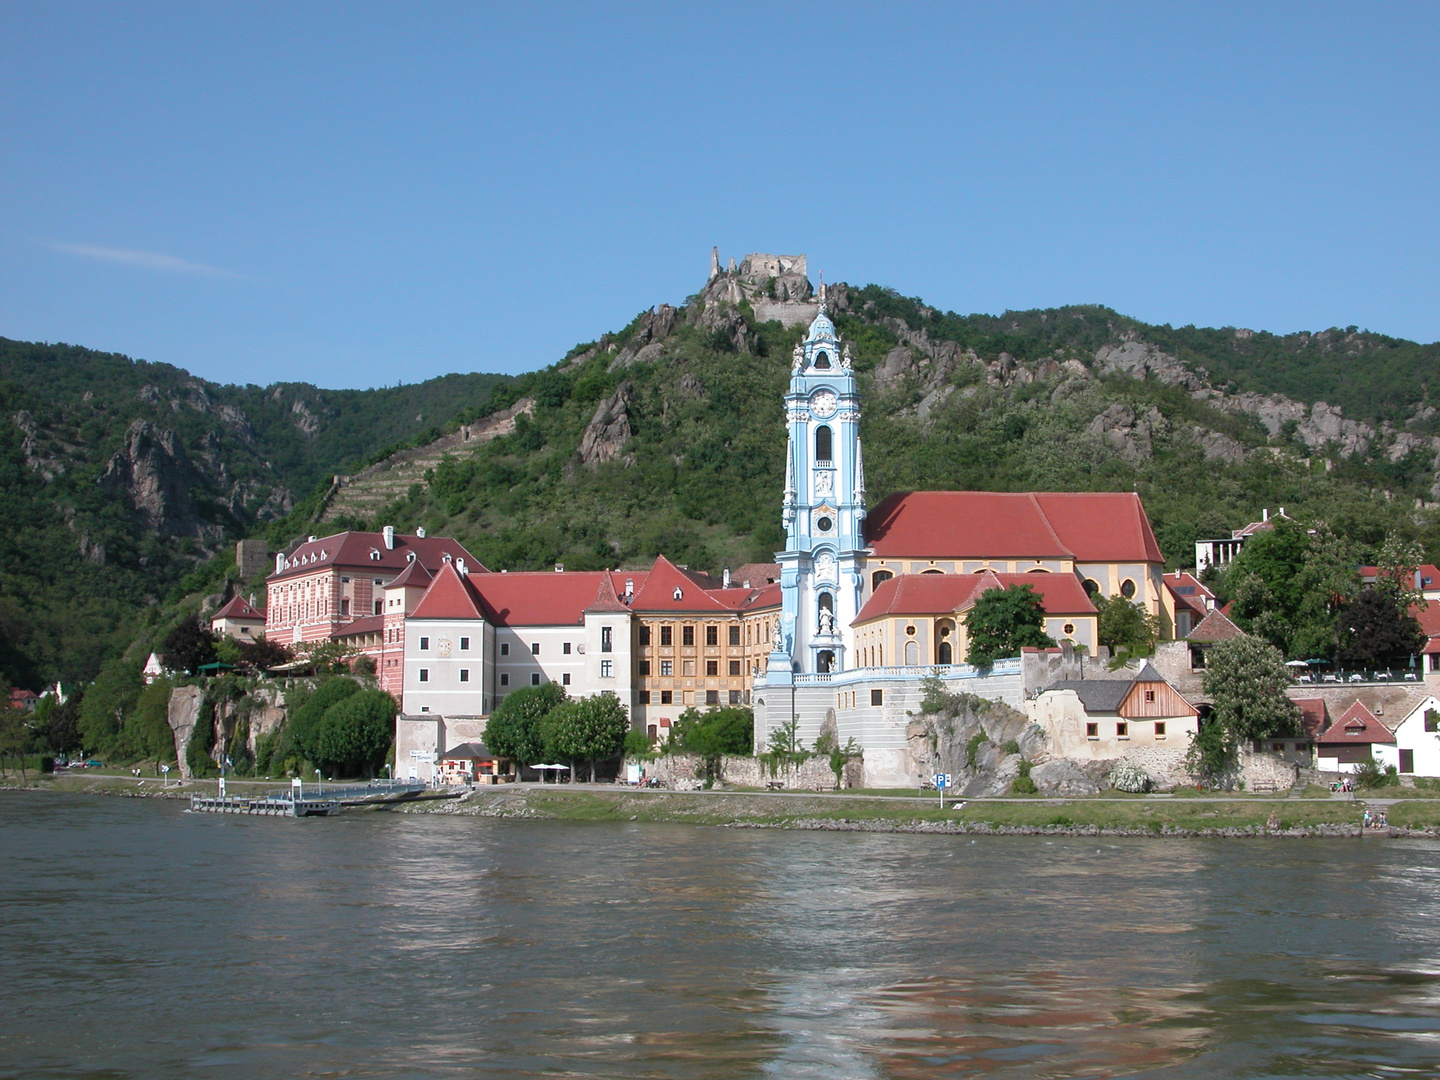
x=148, y=733
x=109, y=701
x=587, y=729
x=189, y=645
x=730, y=730
x=1245, y=679
x=355, y=733
x=513, y=730
x=307, y=721
x=63, y=732
x=1376, y=632
x=1004, y=621
x=1124, y=624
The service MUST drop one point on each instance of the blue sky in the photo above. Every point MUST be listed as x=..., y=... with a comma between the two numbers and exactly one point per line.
x=360, y=194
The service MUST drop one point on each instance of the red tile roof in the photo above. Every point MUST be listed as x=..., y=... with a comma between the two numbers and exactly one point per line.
x=367, y=551
x=1214, y=627
x=606, y=598
x=450, y=596
x=661, y=584
x=545, y=598
x=1429, y=576
x=1188, y=592
x=931, y=594
x=1313, y=717
x=1088, y=527
x=1357, y=725
x=239, y=608
x=1428, y=616
x=758, y=574
x=366, y=624
x=412, y=576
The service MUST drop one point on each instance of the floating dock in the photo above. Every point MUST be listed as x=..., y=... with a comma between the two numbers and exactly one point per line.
x=291, y=802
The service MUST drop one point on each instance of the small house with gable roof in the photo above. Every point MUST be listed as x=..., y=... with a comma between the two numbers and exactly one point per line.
x=1355, y=737
x=239, y=618
x=1112, y=717
x=1417, y=741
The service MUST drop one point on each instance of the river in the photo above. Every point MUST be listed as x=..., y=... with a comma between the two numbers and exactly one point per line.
x=140, y=940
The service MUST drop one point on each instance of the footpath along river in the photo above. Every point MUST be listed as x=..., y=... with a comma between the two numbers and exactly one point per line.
x=140, y=940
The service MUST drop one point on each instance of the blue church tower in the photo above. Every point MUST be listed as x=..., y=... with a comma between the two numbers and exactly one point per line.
x=824, y=509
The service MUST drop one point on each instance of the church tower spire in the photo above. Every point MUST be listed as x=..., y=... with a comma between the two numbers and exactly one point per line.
x=824, y=506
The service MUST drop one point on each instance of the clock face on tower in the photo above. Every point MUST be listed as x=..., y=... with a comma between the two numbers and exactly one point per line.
x=822, y=403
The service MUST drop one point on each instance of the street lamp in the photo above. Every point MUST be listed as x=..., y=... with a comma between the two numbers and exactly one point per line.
x=319, y=784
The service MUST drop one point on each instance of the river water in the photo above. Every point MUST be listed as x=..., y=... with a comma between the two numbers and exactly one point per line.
x=139, y=940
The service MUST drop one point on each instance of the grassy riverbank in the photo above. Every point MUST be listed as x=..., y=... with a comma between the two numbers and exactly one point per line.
x=1193, y=814
x=1128, y=816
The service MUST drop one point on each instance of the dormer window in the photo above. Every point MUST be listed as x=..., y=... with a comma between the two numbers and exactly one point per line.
x=446, y=557
x=822, y=359
x=410, y=556
x=678, y=594
x=374, y=554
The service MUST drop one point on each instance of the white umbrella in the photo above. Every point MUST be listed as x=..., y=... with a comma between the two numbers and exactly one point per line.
x=1297, y=663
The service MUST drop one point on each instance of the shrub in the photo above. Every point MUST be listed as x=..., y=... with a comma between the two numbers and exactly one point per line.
x=1022, y=784
x=1129, y=777
x=1370, y=774
x=973, y=746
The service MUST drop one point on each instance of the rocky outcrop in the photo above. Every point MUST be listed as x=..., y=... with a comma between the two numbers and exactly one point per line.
x=1128, y=434
x=644, y=344
x=153, y=475
x=942, y=742
x=1063, y=778
x=1140, y=360
x=183, y=715
x=609, y=429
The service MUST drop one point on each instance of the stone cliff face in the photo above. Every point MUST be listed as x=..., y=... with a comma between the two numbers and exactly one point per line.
x=154, y=476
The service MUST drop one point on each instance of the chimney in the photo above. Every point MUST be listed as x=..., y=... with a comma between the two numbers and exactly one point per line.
x=1419, y=583
x=389, y=532
x=1282, y=511
x=726, y=578
x=420, y=533
x=1264, y=515
x=279, y=561
x=459, y=564
x=559, y=567
x=311, y=540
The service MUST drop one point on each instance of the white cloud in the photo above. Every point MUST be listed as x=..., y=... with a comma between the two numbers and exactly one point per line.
x=147, y=260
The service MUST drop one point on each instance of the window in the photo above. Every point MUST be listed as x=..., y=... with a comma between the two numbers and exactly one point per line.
x=565, y=679
x=644, y=667
x=877, y=697
x=605, y=639
x=712, y=635
x=1091, y=586
x=344, y=581
x=822, y=443
x=734, y=667
x=424, y=674
x=687, y=668
x=1122, y=730
x=1197, y=658
x=687, y=635
x=651, y=731
x=644, y=697
x=565, y=649
x=667, y=697
x=734, y=697
x=712, y=697
x=666, y=633
x=504, y=648
x=535, y=648
x=644, y=636
x=379, y=607
x=1149, y=695
x=667, y=668
x=1407, y=761
x=379, y=582
x=424, y=643
x=464, y=674
x=822, y=359
x=464, y=643
x=1277, y=748
x=535, y=678
x=712, y=667
x=735, y=635
x=879, y=578
x=1159, y=729
x=1068, y=629
x=607, y=669
x=1092, y=731
x=1127, y=589
x=504, y=678
x=344, y=606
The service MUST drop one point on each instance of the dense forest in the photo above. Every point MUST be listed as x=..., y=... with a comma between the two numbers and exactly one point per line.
x=687, y=405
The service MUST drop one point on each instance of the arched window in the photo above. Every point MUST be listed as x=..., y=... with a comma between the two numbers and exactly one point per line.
x=1127, y=589
x=826, y=661
x=879, y=578
x=912, y=653
x=1091, y=586
x=942, y=654
x=822, y=443
x=822, y=359
x=933, y=570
